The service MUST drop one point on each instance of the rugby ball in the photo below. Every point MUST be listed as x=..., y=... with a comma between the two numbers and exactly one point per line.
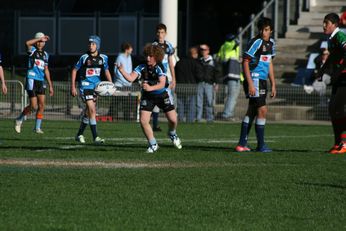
x=105, y=88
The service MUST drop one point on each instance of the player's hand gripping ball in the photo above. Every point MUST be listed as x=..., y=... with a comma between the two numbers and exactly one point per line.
x=105, y=88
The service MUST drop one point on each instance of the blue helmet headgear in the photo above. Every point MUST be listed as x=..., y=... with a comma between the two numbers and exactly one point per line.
x=95, y=39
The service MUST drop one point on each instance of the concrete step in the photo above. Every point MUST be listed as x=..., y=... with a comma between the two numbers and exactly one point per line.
x=302, y=35
x=327, y=8
x=312, y=15
x=306, y=28
x=293, y=60
x=328, y=3
x=310, y=22
x=282, y=55
x=289, y=41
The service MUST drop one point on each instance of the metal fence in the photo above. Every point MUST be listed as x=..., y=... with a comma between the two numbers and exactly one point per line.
x=291, y=103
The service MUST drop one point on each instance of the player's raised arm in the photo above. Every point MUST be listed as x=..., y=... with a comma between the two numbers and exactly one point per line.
x=129, y=77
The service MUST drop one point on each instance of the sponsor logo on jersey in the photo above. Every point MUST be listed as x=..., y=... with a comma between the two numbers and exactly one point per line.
x=92, y=72
x=265, y=58
x=39, y=63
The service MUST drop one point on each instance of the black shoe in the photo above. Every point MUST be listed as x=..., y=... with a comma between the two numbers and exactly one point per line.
x=157, y=129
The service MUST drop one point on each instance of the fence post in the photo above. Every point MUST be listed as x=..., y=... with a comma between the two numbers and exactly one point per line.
x=68, y=94
x=252, y=25
x=288, y=7
x=240, y=37
x=276, y=17
x=264, y=7
x=12, y=90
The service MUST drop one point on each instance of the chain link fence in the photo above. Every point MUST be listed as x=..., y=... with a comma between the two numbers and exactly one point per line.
x=291, y=103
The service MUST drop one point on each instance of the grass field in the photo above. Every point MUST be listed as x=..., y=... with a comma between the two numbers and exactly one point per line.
x=49, y=182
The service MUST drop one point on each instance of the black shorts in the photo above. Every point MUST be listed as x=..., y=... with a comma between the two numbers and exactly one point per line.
x=35, y=87
x=88, y=94
x=259, y=99
x=164, y=101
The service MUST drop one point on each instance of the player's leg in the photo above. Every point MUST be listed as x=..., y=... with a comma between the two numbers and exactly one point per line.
x=155, y=115
x=171, y=116
x=91, y=109
x=26, y=111
x=39, y=113
x=245, y=129
x=84, y=123
x=259, y=126
x=337, y=113
x=84, y=116
x=30, y=89
x=148, y=131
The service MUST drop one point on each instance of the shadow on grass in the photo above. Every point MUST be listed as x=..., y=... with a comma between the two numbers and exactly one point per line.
x=323, y=185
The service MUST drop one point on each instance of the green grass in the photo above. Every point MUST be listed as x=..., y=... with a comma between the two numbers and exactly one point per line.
x=204, y=186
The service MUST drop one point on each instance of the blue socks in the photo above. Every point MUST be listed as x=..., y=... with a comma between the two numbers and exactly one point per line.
x=260, y=124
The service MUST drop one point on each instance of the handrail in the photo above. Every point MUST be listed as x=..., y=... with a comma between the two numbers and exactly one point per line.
x=253, y=18
x=287, y=11
x=251, y=25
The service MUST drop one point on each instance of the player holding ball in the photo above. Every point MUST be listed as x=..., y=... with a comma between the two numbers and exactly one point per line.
x=90, y=67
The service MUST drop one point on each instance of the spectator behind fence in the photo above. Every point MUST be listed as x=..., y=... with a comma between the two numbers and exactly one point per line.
x=35, y=85
x=188, y=71
x=207, y=85
x=228, y=56
x=123, y=103
x=2, y=78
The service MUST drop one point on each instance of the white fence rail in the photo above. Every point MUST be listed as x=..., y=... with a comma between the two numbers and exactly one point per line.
x=292, y=103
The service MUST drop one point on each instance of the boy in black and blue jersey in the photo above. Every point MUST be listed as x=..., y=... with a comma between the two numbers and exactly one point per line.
x=35, y=84
x=258, y=67
x=155, y=92
x=90, y=65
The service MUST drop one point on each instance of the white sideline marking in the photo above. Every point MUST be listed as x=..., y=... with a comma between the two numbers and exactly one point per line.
x=231, y=139
x=118, y=165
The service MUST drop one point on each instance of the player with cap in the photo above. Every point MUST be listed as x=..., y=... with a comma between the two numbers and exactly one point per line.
x=35, y=84
x=90, y=67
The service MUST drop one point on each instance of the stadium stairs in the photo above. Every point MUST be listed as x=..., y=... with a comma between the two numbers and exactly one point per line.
x=302, y=39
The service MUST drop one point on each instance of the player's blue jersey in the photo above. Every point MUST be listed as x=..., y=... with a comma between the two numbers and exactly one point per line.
x=37, y=62
x=260, y=53
x=151, y=75
x=90, y=69
x=168, y=49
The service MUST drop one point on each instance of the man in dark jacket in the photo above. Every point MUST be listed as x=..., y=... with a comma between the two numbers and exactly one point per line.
x=207, y=85
x=188, y=71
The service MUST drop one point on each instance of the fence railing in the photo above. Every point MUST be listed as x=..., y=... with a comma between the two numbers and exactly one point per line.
x=291, y=103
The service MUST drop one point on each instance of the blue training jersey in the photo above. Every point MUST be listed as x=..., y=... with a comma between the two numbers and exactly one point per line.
x=260, y=53
x=151, y=75
x=37, y=62
x=168, y=49
x=90, y=69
